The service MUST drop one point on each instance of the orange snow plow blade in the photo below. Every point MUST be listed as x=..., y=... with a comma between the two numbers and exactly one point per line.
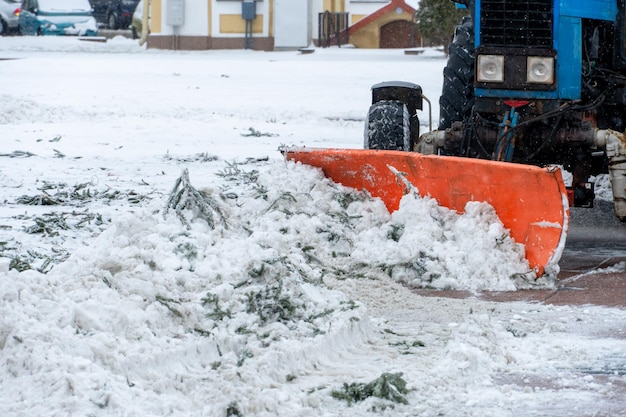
x=530, y=201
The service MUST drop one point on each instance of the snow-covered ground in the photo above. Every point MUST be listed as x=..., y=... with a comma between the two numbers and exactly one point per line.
x=159, y=257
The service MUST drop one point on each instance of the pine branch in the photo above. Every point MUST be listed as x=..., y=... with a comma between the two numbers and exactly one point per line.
x=185, y=197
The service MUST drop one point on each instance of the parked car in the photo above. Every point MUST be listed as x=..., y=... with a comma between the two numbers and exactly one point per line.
x=9, y=11
x=57, y=17
x=116, y=14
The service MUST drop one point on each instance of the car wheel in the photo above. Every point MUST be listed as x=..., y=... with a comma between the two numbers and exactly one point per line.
x=113, y=21
x=3, y=27
x=134, y=32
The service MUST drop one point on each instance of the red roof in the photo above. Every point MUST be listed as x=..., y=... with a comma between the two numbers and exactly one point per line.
x=391, y=7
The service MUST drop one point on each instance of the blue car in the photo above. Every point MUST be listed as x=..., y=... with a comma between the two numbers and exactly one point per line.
x=57, y=17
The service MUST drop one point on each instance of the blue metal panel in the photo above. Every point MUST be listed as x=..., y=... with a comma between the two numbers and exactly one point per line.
x=568, y=43
x=516, y=94
x=589, y=9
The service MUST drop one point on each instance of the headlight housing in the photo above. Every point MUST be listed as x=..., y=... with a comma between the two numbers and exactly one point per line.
x=490, y=69
x=540, y=70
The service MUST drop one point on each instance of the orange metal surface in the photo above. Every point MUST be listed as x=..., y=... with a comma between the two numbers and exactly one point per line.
x=530, y=201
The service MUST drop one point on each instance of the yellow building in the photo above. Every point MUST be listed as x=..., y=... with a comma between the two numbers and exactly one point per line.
x=279, y=24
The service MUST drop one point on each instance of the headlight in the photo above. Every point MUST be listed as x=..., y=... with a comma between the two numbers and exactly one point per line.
x=540, y=70
x=490, y=68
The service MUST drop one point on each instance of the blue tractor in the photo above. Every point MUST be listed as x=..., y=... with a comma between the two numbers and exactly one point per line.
x=539, y=82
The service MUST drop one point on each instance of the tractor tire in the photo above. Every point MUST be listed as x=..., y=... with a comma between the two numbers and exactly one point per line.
x=457, y=95
x=388, y=126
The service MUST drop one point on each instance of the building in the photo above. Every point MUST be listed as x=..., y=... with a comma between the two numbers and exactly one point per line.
x=280, y=24
x=391, y=26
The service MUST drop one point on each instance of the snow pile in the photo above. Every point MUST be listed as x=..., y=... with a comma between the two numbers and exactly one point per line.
x=425, y=245
x=70, y=44
x=153, y=286
x=294, y=215
x=251, y=287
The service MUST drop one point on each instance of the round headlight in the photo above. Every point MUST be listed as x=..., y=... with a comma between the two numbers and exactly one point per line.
x=540, y=70
x=490, y=68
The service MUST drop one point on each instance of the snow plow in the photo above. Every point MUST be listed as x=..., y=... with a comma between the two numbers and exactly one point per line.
x=530, y=201
x=531, y=88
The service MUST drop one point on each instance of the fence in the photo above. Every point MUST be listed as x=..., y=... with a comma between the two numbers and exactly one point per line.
x=333, y=29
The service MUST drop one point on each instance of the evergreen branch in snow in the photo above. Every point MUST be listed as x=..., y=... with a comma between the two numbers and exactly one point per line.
x=388, y=386
x=233, y=173
x=185, y=197
x=78, y=195
x=167, y=302
x=233, y=410
x=18, y=154
x=256, y=133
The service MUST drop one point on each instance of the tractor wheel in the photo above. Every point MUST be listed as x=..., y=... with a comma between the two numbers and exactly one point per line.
x=457, y=96
x=388, y=126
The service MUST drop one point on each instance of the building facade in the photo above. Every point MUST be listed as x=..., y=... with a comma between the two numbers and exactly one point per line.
x=279, y=24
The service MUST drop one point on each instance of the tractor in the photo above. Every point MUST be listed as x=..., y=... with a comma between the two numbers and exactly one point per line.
x=531, y=89
x=539, y=82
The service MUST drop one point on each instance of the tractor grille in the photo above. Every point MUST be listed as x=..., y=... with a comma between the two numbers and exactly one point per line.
x=516, y=23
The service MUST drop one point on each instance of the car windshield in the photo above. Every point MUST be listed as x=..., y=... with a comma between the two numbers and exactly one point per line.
x=67, y=5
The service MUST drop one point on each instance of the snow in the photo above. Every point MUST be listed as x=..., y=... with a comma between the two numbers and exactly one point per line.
x=64, y=5
x=186, y=269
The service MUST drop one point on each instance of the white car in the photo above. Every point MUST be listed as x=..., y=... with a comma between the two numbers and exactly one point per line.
x=137, y=21
x=9, y=12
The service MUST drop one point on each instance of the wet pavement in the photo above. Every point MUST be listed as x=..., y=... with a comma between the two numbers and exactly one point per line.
x=596, y=241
